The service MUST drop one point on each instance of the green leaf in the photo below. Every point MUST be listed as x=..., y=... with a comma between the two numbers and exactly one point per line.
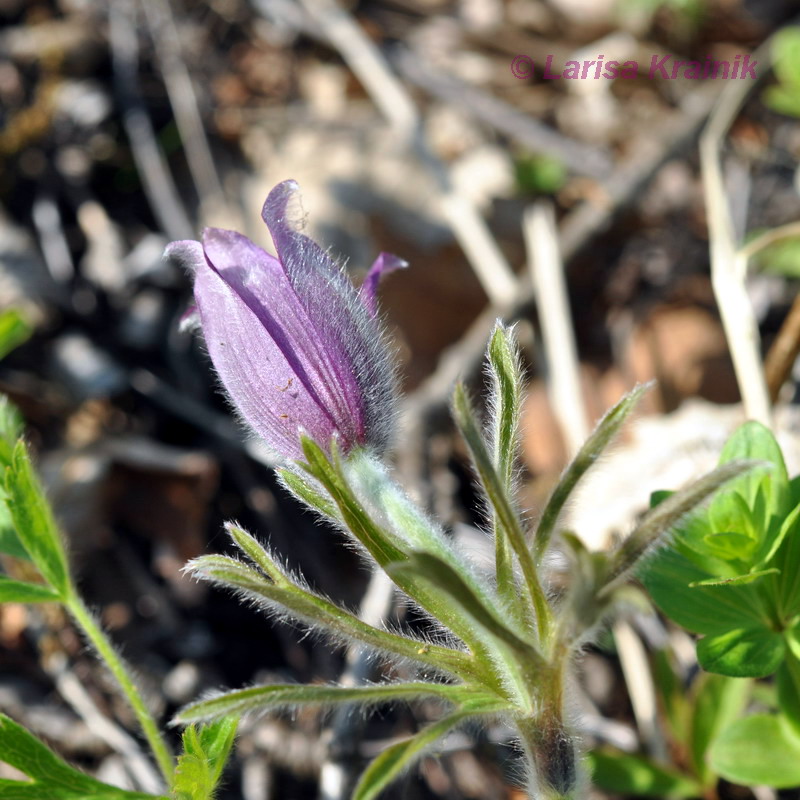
x=50, y=778
x=10, y=429
x=674, y=583
x=786, y=56
x=666, y=515
x=752, y=441
x=205, y=752
x=382, y=544
x=14, y=330
x=304, y=491
x=787, y=682
x=312, y=609
x=758, y=750
x=328, y=472
x=264, y=698
x=719, y=701
x=606, y=430
x=34, y=522
x=507, y=519
x=781, y=257
x=505, y=373
x=739, y=580
x=785, y=101
x=398, y=757
x=12, y=591
x=742, y=653
x=438, y=573
x=632, y=774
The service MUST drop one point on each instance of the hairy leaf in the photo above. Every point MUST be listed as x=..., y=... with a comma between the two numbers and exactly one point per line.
x=265, y=698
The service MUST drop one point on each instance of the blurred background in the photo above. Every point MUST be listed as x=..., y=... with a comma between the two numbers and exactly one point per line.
x=426, y=128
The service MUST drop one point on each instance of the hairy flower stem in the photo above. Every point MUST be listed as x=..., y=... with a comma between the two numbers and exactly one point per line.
x=105, y=650
x=550, y=748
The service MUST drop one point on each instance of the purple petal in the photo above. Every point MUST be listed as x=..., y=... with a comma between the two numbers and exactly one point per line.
x=263, y=384
x=383, y=265
x=260, y=282
x=328, y=297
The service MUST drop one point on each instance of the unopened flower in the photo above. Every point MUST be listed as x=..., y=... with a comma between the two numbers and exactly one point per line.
x=296, y=346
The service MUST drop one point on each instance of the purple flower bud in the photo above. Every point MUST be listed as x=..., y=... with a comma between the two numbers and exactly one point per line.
x=295, y=345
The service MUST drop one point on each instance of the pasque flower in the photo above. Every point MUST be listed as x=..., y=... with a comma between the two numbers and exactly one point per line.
x=297, y=347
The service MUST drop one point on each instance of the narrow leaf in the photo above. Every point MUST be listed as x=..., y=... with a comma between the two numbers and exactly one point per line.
x=504, y=409
x=253, y=549
x=507, y=518
x=606, y=430
x=398, y=757
x=661, y=519
x=739, y=580
x=302, y=489
x=440, y=574
x=313, y=609
x=377, y=542
x=266, y=698
x=34, y=522
x=10, y=429
x=12, y=591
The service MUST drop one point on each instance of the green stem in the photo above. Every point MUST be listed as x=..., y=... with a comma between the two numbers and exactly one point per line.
x=115, y=664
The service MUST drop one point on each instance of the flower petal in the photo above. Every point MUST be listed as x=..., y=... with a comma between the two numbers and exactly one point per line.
x=383, y=265
x=270, y=390
x=260, y=281
x=341, y=320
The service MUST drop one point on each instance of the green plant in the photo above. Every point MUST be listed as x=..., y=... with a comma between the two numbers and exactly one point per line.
x=731, y=575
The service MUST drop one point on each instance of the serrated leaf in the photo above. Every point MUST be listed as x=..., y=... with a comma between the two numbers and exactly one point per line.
x=205, y=752
x=636, y=775
x=276, y=696
x=12, y=591
x=50, y=778
x=758, y=750
x=14, y=330
x=398, y=757
x=742, y=653
x=33, y=521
